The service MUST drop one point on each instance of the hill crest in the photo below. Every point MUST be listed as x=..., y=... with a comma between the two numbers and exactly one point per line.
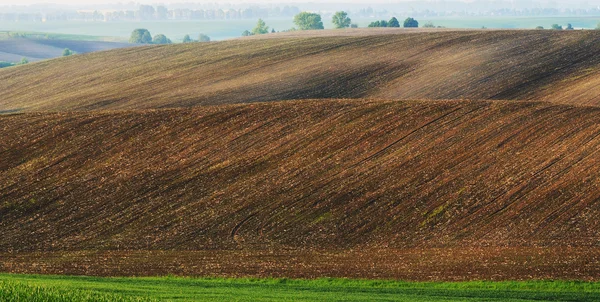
x=560, y=67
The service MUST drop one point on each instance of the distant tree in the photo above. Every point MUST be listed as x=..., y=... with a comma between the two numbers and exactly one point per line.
x=410, y=22
x=140, y=36
x=556, y=27
x=375, y=24
x=273, y=31
x=260, y=28
x=67, y=52
x=306, y=21
x=429, y=25
x=353, y=25
x=161, y=12
x=393, y=22
x=246, y=33
x=381, y=23
x=340, y=20
x=146, y=12
x=187, y=39
x=24, y=61
x=203, y=38
x=569, y=27
x=161, y=39
x=539, y=27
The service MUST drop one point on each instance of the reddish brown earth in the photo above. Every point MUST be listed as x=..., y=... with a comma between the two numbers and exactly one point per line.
x=482, y=189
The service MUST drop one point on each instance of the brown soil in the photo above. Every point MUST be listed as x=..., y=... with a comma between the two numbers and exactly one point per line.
x=447, y=264
x=305, y=177
x=129, y=174
x=561, y=67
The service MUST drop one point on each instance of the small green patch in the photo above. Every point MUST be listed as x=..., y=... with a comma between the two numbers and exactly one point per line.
x=323, y=217
x=430, y=216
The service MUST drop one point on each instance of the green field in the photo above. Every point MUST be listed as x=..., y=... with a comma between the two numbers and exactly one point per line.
x=227, y=29
x=63, y=288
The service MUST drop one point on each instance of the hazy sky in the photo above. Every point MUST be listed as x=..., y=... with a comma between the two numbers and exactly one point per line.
x=87, y=2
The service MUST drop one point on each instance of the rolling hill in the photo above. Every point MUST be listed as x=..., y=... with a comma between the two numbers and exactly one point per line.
x=13, y=50
x=560, y=67
x=304, y=176
x=308, y=157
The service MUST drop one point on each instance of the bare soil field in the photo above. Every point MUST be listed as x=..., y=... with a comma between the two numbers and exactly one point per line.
x=13, y=50
x=560, y=67
x=308, y=157
x=513, y=184
x=417, y=264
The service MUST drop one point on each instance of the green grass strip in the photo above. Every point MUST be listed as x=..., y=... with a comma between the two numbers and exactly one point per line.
x=68, y=288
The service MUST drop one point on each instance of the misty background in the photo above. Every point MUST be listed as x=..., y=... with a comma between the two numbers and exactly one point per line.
x=62, y=20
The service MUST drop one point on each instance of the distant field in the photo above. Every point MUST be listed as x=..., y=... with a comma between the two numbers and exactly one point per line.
x=6, y=35
x=190, y=289
x=14, y=49
x=227, y=29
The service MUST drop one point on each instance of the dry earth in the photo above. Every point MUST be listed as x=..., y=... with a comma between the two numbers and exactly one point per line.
x=117, y=167
x=560, y=67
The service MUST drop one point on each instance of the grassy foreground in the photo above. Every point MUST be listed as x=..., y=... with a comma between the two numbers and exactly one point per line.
x=66, y=288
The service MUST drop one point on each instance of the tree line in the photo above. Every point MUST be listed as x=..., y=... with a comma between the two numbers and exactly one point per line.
x=313, y=21
x=143, y=36
x=303, y=21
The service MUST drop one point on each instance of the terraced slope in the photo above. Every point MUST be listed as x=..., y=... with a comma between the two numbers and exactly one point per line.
x=560, y=67
x=302, y=175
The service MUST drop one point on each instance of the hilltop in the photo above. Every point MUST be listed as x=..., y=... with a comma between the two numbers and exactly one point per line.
x=560, y=67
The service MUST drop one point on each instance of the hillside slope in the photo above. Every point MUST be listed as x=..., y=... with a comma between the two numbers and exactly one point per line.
x=555, y=66
x=13, y=50
x=302, y=175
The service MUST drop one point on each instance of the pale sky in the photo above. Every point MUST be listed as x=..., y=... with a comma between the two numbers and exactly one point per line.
x=88, y=2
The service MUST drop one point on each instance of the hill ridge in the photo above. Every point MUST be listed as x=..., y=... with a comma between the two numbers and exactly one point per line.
x=560, y=67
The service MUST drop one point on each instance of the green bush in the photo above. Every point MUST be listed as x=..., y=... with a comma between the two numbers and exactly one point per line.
x=341, y=20
x=67, y=52
x=140, y=36
x=306, y=21
x=161, y=39
x=393, y=22
x=261, y=28
x=410, y=22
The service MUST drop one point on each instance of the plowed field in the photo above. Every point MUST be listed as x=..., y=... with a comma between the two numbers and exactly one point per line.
x=512, y=183
x=561, y=67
